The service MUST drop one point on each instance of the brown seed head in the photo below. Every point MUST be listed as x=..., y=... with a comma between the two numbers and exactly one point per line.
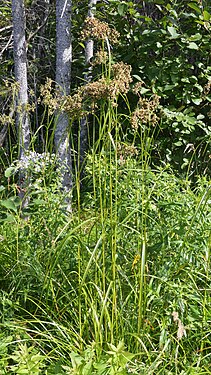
x=145, y=112
x=94, y=28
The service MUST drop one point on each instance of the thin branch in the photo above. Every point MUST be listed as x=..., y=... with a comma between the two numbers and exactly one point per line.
x=39, y=28
x=5, y=28
x=5, y=47
x=64, y=9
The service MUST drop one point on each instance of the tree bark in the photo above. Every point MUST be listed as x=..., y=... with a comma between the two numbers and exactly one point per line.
x=63, y=80
x=22, y=116
x=20, y=62
x=89, y=51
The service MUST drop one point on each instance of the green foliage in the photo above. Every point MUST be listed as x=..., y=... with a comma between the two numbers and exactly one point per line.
x=67, y=275
x=171, y=41
x=87, y=363
x=122, y=285
x=27, y=361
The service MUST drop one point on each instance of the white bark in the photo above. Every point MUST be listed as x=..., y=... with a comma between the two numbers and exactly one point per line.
x=20, y=61
x=63, y=80
x=89, y=52
x=89, y=49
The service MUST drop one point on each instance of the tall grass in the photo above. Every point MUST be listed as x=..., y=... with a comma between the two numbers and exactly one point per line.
x=94, y=293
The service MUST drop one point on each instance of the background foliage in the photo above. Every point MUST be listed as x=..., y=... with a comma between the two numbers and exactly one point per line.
x=122, y=285
x=168, y=46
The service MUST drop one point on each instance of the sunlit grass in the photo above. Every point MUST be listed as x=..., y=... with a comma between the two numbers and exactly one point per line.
x=97, y=291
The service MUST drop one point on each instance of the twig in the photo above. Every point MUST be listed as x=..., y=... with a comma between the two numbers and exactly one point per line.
x=5, y=28
x=5, y=47
x=39, y=28
x=4, y=130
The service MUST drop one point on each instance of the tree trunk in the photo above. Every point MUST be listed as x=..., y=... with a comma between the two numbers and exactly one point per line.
x=20, y=61
x=63, y=80
x=89, y=51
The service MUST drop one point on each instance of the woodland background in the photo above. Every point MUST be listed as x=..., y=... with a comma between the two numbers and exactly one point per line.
x=105, y=206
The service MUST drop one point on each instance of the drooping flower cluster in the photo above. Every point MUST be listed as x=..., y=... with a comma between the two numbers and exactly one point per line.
x=96, y=90
x=145, y=113
x=101, y=57
x=73, y=105
x=6, y=119
x=104, y=88
x=94, y=28
x=122, y=78
x=125, y=151
x=137, y=87
x=49, y=99
x=110, y=88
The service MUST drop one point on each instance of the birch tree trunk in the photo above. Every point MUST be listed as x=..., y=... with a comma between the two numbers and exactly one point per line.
x=89, y=51
x=20, y=61
x=63, y=80
x=22, y=116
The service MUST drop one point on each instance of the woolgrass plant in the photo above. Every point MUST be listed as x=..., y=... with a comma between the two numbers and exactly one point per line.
x=122, y=285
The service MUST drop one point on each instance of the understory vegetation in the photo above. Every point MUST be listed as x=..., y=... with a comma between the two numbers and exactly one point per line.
x=120, y=286
x=122, y=283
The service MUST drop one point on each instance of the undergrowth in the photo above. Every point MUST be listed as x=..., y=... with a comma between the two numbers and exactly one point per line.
x=122, y=284
x=97, y=292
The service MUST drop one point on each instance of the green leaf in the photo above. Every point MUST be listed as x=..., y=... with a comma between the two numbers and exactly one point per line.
x=206, y=15
x=9, y=218
x=198, y=87
x=189, y=121
x=195, y=7
x=38, y=202
x=122, y=9
x=195, y=37
x=101, y=367
x=126, y=357
x=193, y=79
x=143, y=90
x=9, y=204
x=16, y=201
x=192, y=45
x=9, y=171
x=179, y=143
x=185, y=79
x=168, y=87
x=2, y=188
x=137, y=77
x=200, y=22
x=200, y=117
x=147, y=19
x=159, y=45
x=196, y=101
x=81, y=44
x=173, y=32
